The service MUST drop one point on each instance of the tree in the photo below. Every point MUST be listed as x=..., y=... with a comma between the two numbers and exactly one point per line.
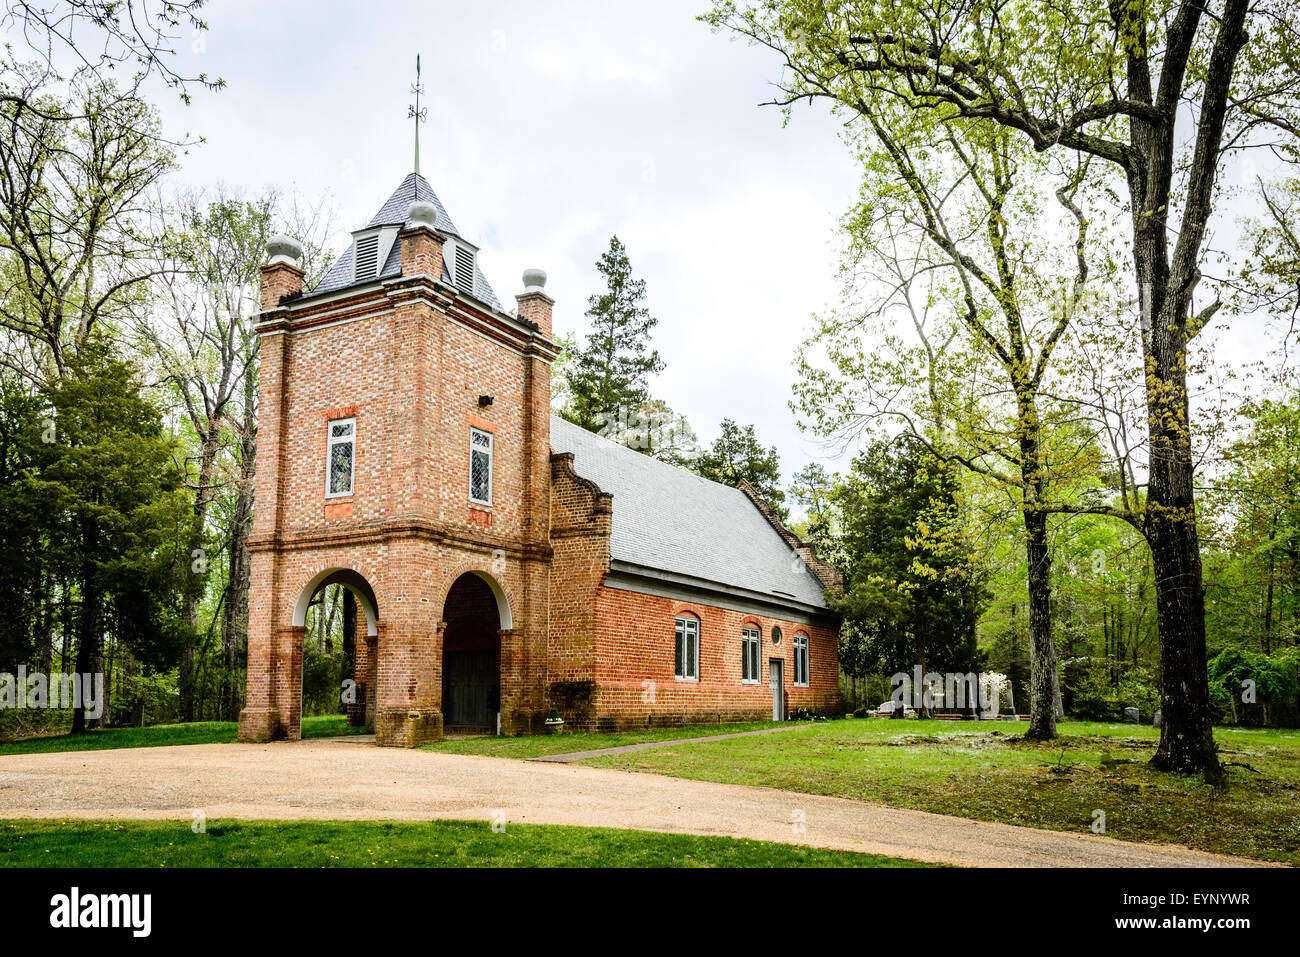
x=957, y=233
x=1111, y=80
x=26, y=567
x=1261, y=490
x=78, y=247
x=913, y=587
x=198, y=331
x=118, y=521
x=737, y=455
x=99, y=35
x=608, y=376
x=813, y=490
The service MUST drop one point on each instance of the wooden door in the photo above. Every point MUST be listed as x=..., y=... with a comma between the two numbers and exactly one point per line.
x=469, y=689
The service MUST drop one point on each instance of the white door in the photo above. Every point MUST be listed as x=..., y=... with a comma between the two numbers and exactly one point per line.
x=778, y=690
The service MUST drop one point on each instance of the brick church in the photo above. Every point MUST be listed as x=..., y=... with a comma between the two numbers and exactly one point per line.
x=503, y=562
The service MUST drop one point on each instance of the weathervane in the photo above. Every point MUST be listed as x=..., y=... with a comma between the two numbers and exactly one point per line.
x=416, y=113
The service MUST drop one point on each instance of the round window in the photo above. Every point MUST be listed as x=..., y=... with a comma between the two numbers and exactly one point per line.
x=776, y=636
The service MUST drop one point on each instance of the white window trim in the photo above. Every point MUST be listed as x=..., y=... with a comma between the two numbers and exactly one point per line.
x=802, y=643
x=330, y=442
x=686, y=633
x=749, y=635
x=491, y=454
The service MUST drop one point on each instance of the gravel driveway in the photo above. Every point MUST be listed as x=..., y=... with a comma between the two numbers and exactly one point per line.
x=346, y=779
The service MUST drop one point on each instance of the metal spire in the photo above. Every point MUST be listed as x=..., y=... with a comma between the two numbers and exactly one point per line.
x=416, y=113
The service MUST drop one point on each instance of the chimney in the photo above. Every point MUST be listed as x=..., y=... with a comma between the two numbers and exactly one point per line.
x=534, y=304
x=282, y=274
x=421, y=243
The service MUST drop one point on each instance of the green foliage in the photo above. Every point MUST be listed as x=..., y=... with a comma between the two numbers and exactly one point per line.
x=94, y=532
x=1092, y=690
x=120, y=512
x=1273, y=682
x=914, y=587
x=611, y=370
x=737, y=454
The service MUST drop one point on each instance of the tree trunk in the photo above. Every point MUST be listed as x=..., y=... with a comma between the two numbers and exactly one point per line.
x=209, y=441
x=89, y=656
x=1186, y=735
x=349, y=641
x=1043, y=681
x=234, y=623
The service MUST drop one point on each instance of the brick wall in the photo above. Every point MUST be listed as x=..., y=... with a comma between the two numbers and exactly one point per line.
x=408, y=360
x=635, y=681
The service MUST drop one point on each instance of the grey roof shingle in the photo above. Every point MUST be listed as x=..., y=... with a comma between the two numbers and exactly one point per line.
x=393, y=213
x=673, y=521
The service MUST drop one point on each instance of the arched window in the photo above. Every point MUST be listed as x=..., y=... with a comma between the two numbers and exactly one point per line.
x=687, y=648
x=801, y=659
x=750, y=639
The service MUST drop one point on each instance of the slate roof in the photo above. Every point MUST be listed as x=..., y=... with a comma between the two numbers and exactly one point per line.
x=393, y=213
x=672, y=521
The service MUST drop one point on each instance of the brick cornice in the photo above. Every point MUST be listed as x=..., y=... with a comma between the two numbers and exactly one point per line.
x=371, y=533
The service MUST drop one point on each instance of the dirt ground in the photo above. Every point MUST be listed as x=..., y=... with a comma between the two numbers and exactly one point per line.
x=345, y=779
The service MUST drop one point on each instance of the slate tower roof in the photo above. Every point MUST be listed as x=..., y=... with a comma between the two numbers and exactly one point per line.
x=393, y=213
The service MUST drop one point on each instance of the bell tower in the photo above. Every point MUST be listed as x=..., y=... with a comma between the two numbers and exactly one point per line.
x=404, y=453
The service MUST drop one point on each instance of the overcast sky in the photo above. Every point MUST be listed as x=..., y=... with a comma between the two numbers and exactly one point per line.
x=550, y=128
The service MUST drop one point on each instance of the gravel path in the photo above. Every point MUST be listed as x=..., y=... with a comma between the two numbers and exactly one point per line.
x=344, y=779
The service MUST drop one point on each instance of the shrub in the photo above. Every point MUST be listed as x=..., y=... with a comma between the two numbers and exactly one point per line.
x=1276, y=686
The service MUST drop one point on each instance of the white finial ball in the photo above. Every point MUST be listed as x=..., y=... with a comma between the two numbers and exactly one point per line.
x=422, y=214
x=281, y=248
x=534, y=280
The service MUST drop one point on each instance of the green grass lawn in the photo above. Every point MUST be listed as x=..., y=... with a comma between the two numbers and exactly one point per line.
x=987, y=772
x=198, y=732
x=389, y=844
x=537, y=745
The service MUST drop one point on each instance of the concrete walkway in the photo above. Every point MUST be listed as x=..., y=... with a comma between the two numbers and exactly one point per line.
x=344, y=780
x=572, y=756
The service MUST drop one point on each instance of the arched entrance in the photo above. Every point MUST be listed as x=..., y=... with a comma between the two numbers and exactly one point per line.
x=475, y=612
x=337, y=655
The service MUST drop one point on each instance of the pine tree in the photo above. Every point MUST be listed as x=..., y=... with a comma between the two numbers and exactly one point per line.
x=914, y=588
x=737, y=454
x=609, y=373
x=119, y=520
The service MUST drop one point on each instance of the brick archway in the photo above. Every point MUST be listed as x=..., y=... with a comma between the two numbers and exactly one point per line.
x=365, y=641
x=504, y=601
x=475, y=615
x=351, y=579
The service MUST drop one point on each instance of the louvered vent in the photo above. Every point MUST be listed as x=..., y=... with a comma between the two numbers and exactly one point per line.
x=367, y=260
x=465, y=268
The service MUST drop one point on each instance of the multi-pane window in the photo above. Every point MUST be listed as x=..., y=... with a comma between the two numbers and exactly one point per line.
x=340, y=454
x=750, y=640
x=480, y=466
x=801, y=659
x=687, y=657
